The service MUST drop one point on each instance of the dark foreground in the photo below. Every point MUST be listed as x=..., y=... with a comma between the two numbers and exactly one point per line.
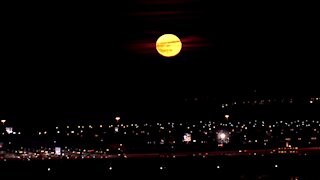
x=246, y=167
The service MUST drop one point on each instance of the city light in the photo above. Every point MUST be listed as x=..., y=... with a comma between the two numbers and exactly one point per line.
x=223, y=137
x=187, y=137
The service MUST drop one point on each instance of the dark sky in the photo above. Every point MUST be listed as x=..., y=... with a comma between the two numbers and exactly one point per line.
x=61, y=61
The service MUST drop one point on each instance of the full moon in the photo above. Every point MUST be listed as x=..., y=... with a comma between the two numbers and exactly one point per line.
x=168, y=45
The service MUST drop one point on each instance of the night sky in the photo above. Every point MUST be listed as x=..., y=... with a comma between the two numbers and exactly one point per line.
x=92, y=61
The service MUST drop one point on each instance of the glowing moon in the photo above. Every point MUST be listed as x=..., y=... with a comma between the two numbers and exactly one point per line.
x=168, y=45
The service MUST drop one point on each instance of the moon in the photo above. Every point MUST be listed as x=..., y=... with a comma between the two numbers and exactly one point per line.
x=168, y=45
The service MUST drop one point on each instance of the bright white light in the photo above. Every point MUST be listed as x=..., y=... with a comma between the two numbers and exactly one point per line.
x=161, y=167
x=110, y=168
x=9, y=130
x=223, y=137
x=117, y=118
x=218, y=167
x=49, y=169
x=187, y=137
x=275, y=165
x=57, y=151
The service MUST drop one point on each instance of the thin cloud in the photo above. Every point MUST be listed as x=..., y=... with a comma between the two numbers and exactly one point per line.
x=163, y=2
x=160, y=13
x=142, y=47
